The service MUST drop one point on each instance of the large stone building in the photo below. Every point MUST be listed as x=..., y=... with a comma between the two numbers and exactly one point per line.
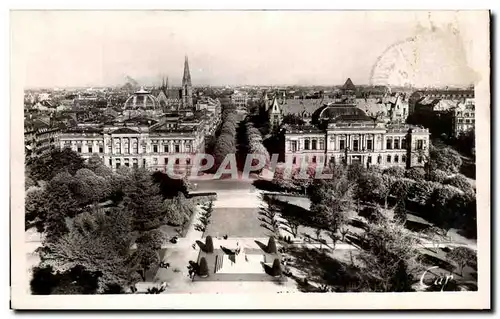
x=138, y=142
x=40, y=137
x=464, y=117
x=345, y=134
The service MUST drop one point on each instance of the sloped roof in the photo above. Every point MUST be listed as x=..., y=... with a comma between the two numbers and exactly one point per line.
x=340, y=112
x=348, y=85
x=124, y=130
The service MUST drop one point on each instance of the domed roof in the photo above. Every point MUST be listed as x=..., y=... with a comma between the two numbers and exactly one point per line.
x=141, y=99
x=339, y=112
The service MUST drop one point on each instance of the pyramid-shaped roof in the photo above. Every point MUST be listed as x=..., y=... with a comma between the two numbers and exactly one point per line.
x=348, y=85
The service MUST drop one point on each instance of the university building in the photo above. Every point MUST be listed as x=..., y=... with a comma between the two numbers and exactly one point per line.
x=137, y=142
x=341, y=132
x=148, y=135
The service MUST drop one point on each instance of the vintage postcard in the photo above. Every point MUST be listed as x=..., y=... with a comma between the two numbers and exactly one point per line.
x=250, y=159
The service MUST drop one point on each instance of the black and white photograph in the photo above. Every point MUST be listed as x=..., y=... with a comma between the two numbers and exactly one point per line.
x=250, y=156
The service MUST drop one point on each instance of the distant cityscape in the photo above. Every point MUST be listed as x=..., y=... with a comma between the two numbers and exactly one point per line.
x=111, y=122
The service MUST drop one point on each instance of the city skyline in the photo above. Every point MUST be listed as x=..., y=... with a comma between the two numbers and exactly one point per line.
x=260, y=48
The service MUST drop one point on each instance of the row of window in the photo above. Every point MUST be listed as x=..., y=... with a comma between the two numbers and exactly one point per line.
x=135, y=162
x=390, y=144
x=459, y=114
x=389, y=159
x=466, y=121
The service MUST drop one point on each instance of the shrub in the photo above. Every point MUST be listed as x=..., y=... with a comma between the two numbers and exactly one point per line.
x=395, y=171
x=271, y=245
x=461, y=182
x=421, y=191
x=203, y=270
x=209, y=244
x=276, y=269
x=438, y=176
x=416, y=173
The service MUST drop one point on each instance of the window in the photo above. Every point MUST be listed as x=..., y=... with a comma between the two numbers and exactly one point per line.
x=165, y=148
x=460, y=121
x=155, y=148
x=396, y=144
x=314, y=159
x=188, y=161
x=389, y=144
x=127, y=164
x=342, y=144
x=369, y=144
x=144, y=162
x=177, y=148
x=101, y=149
x=314, y=144
x=467, y=121
x=369, y=160
x=306, y=144
x=155, y=161
x=188, y=148
x=379, y=159
x=420, y=144
x=294, y=161
x=388, y=158
x=166, y=160
x=420, y=159
x=294, y=146
x=403, y=158
x=110, y=162
x=321, y=144
x=135, y=165
x=90, y=149
x=79, y=149
x=403, y=143
x=355, y=145
x=117, y=165
x=396, y=159
x=177, y=161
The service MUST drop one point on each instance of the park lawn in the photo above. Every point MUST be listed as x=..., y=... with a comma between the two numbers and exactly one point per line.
x=236, y=222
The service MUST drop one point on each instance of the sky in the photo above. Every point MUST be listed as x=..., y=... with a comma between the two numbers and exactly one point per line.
x=102, y=48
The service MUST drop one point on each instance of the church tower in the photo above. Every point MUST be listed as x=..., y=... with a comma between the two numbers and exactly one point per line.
x=187, y=88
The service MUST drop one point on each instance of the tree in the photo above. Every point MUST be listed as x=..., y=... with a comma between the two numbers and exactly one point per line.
x=442, y=208
x=395, y=171
x=445, y=159
x=98, y=242
x=90, y=188
x=142, y=198
x=271, y=246
x=421, y=191
x=276, y=268
x=400, y=212
x=36, y=208
x=43, y=281
x=331, y=201
x=461, y=182
x=203, y=270
x=46, y=167
x=178, y=210
x=415, y=173
x=437, y=176
x=209, y=245
x=466, y=142
x=390, y=257
x=462, y=256
x=61, y=205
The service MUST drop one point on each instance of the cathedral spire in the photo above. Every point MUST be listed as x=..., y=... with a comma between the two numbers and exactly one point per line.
x=186, y=79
